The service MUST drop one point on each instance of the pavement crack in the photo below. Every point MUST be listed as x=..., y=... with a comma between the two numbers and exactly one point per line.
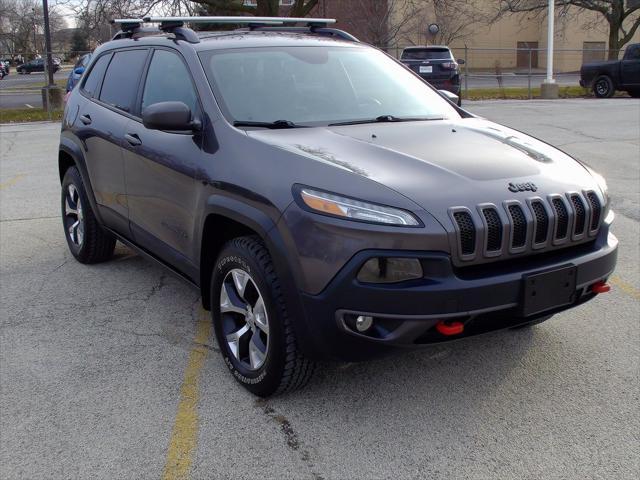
x=290, y=436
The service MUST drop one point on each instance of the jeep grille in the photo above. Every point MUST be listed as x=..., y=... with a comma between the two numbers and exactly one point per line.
x=534, y=224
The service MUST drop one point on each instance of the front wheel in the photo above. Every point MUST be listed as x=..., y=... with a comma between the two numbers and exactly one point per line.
x=603, y=87
x=251, y=322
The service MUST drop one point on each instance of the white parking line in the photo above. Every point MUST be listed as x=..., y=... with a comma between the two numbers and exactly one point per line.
x=30, y=106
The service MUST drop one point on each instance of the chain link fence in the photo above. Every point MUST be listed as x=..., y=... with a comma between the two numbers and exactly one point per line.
x=519, y=67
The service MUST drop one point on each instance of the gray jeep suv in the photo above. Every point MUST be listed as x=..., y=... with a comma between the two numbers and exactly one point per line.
x=326, y=202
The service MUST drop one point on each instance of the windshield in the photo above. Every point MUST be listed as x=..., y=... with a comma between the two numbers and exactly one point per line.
x=317, y=86
x=427, y=54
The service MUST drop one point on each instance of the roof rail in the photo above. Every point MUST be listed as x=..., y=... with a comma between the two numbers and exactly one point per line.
x=327, y=32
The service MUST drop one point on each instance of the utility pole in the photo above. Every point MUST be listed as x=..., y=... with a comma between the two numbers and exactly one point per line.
x=51, y=94
x=549, y=88
x=47, y=41
x=35, y=32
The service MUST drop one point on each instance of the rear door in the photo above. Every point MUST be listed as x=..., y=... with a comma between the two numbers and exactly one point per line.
x=110, y=87
x=630, y=67
x=161, y=167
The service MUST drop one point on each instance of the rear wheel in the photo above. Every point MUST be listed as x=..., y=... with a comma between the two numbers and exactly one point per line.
x=87, y=241
x=603, y=87
x=251, y=322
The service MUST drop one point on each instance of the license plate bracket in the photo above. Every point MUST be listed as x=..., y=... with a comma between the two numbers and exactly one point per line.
x=547, y=290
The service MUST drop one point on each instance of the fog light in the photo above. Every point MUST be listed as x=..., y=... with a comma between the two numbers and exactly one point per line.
x=390, y=270
x=363, y=323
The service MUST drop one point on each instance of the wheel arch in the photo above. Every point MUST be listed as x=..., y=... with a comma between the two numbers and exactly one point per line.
x=226, y=218
x=70, y=155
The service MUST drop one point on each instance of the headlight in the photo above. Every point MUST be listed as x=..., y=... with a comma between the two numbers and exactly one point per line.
x=349, y=208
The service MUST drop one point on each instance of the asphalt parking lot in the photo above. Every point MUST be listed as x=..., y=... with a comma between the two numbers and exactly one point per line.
x=108, y=371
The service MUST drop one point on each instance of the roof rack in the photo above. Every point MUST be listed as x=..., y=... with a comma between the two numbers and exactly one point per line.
x=247, y=20
x=175, y=25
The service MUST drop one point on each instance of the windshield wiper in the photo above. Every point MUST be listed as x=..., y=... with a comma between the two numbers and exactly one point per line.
x=386, y=119
x=273, y=125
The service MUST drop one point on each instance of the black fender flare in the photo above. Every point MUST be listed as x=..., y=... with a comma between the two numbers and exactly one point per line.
x=72, y=149
x=258, y=221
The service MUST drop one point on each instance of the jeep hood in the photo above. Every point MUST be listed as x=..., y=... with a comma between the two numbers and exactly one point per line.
x=462, y=162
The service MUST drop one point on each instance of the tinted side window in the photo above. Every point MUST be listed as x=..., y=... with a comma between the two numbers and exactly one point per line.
x=633, y=52
x=93, y=81
x=168, y=80
x=121, y=80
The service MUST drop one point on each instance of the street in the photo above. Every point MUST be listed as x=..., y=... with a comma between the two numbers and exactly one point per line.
x=94, y=359
x=23, y=91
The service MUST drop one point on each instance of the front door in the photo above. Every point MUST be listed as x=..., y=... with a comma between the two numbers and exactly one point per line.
x=161, y=168
x=527, y=51
x=630, y=67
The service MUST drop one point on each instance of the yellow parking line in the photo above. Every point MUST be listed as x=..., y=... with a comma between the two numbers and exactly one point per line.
x=185, y=428
x=11, y=181
x=625, y=287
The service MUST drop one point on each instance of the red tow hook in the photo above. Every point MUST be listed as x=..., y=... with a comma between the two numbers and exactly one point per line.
x=449, y=328
x=600, y=287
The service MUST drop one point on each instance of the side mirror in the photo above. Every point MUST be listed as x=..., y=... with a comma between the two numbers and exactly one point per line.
x=79, y=71
x=460, y=61
x=174, y=116
x=452, y=97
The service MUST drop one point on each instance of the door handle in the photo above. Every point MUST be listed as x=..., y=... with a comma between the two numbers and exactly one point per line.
x=133, y=139
x=86, y=119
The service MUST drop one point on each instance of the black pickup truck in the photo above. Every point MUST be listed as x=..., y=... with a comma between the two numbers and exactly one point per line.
x=607, y=77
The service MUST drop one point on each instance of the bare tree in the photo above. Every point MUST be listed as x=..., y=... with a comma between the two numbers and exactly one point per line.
x=21, y=26
x=456, y=19
x=622, y=16
x=261, y=8
x=383, y=22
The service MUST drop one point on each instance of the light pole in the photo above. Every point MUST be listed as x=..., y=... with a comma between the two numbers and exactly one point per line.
x=549, y=88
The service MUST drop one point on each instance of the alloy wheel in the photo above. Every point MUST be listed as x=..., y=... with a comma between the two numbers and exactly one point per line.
x=602, y=87
x=73, y=216
x=245, y=322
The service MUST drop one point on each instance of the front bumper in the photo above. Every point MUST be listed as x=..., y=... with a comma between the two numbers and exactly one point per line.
x=484, y=298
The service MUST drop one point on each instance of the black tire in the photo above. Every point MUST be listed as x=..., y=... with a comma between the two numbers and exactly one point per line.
x=603, y=87
x=96, y=245
x=285, y=368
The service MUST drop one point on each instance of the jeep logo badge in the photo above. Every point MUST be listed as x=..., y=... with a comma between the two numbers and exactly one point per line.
x=522, y=187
